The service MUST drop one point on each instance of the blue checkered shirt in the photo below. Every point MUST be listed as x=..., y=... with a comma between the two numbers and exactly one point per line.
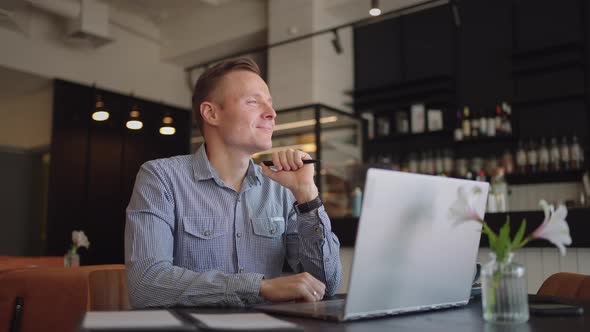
x=192, y=240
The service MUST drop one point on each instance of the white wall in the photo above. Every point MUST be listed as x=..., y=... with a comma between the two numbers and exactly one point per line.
x=129, y=64
x=26, y=119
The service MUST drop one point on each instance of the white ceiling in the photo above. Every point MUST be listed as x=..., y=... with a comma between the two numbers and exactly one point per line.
x=158, y=11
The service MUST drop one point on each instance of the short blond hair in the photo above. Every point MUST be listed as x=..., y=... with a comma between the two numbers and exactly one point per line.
x=208, y=82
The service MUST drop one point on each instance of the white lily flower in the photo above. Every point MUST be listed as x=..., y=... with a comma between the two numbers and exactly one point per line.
x=554, y=228
x=79, y=239
x=463, y=209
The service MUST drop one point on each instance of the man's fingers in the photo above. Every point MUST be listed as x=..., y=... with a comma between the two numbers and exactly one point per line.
x=293, y=159
x=284, y=162
x=276, y=160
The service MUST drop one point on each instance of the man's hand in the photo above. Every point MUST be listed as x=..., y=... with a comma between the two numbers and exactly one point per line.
x=302, y=286
x=292, y=174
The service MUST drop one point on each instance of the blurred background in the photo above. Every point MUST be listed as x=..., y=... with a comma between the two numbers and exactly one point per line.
x=90, y=89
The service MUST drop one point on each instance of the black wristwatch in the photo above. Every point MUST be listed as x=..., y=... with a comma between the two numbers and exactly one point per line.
x=308, y=206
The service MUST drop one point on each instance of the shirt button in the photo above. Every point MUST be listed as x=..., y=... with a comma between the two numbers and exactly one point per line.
x=272, y=231
x=327, y=260
x=207, y=233
x=317, y=229
x=241, y=270
x=239, y=235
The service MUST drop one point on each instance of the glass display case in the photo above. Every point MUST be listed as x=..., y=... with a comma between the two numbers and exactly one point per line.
x=334, y=137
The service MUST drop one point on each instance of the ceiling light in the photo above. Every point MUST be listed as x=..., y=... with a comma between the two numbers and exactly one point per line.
x=375, y=10
x=99, y=114
x=134, y=123
x=167, y=129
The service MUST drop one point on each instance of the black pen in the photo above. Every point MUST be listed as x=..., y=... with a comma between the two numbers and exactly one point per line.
x=17, y=315
x=305, y=161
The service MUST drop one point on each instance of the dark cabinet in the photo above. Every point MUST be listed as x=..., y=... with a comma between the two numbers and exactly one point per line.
x=540, y=24
x=377, y=55
x=484, y=53
x=94, y=164
x=427, y=43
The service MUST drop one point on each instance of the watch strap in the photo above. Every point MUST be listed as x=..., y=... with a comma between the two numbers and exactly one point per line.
x=308, y=206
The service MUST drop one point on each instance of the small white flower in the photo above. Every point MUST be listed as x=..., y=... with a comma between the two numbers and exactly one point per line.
x=554, y=228
x=79, y=239
x=463, y=209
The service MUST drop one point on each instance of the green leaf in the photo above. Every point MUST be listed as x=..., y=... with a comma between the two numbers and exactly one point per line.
x=492, y=237
x=503, y=243
x=517, y=241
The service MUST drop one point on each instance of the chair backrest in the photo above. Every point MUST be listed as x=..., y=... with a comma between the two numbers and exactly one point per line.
x=108, y=290
x=55, y=299
x=567, y=285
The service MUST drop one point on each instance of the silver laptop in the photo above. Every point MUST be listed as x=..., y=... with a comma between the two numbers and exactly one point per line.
x=412, y=252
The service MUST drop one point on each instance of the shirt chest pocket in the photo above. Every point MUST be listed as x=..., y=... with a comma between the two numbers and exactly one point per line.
x=268, y=227
x=205, y=228
x=204, y=242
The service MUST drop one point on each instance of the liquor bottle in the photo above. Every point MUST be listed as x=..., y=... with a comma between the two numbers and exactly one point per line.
x=429, y=163
x=448, y=162
x=564, y=153
x=474, y=124
x=506, y=118
x=466, y=123
x=459, y=128
x=532, y=158
x=481, y=176
x=554, y=157
x=491, y=131
x=521, y=159
x=543, y=156
x=576, y=154
x=439, y=168
x=413, y=163
x=508, y=162
x=499, y=130
x=483, y=124
x=383, y=128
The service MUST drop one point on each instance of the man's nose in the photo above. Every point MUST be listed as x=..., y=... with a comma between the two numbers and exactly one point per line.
x=270, y=112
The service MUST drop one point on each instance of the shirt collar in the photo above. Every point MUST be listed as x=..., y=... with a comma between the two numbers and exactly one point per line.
x=203, y=170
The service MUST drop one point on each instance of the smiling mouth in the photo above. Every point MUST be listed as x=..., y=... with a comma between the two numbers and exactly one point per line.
x=265, y=128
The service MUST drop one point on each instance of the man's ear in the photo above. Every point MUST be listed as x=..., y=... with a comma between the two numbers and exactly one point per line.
x=210, y=113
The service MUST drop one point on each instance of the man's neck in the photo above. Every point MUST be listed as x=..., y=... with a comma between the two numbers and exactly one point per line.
x=230, y=165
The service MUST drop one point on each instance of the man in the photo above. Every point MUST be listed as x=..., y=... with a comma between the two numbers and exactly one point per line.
x=213, y=228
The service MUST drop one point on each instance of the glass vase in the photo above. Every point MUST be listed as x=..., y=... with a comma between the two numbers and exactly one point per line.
x=504, y=291
x=71, y=259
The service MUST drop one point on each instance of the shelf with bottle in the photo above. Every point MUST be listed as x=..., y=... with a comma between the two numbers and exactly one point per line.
x=474, y=126
x=535, y=161
x=417, y=120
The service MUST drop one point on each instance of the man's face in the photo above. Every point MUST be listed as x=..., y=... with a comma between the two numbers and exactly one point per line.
x=247, y=116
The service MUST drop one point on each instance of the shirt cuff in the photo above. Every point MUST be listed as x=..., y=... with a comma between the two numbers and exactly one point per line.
x=314, y=225
x=246, y=286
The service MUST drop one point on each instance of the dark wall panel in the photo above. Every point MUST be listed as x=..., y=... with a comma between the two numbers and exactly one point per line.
x=94, y=165
x=545, y=23
x=377, y=54
x=485, y=49
x=427, y=38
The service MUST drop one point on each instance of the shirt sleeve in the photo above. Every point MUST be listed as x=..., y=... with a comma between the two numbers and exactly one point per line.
x=153, y=280
x=312, y=246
